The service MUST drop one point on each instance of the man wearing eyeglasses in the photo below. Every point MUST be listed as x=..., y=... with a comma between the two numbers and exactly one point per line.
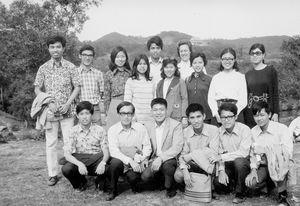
x=167, y=141
x=92, y=87
x=129, y=146
x=235, y=140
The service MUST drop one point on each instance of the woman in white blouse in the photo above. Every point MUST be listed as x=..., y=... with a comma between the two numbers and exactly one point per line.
x=229, y=85
x=184, y=51
x=140, y=89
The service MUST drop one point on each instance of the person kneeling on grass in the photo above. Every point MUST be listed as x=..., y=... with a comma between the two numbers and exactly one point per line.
x=201, y=141
x=87, y=149
x=271, y=153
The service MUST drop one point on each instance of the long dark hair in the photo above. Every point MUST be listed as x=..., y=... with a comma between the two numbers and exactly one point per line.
x=135, y=73
x=114, y=52
x=259, y=46
x=166, y=61
x=230, y=51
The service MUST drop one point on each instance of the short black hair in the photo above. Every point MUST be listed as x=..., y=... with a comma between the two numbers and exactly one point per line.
x=85, y=105
x=194, y=107
x=258, y=106
x=228, y=106
x=155, y=40
x=56, y=38
x=87, y=47
x=124, y=104
x=233, y=53
x=196, y=55
x=159, y=100
x=165, y=62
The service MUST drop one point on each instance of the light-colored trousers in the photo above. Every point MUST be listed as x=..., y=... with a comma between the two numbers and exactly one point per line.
x=51, y=142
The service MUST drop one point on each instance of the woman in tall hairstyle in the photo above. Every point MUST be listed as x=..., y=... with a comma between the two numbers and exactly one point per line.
x=262, y=84
x=173, y=89
x=184, y=51
x=140, y=89
x=114, y=83
x=229, y=85
x=198, y=84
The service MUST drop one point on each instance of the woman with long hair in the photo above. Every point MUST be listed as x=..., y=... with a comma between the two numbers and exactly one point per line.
x=229, y=85
x=140, y=88
x=114, y=83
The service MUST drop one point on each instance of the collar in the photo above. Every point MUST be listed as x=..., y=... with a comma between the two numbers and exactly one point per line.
x=116, y=70
x=159, y=61
x=61, y=63
x=182, y=63
x=119, y=128
x=236, y=129
x=189, y=131
x=272, y=129
x=80, y=129
x=161, y=126
x=82, y=69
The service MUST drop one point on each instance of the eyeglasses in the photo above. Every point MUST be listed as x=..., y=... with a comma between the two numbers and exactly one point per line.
x=258, y=53
x=128, y=114
x=87, y=55
x=223, y=118
x=227, y=59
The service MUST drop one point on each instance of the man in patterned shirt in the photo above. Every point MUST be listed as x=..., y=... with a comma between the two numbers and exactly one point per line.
x=92, y=83
x=87, y=149
x=58, y=78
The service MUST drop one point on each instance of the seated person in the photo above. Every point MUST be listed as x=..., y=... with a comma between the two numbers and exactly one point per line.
x=234, y=145
x=167, y=141
x=86, y=150
x=267, y=136
x=294, y=129
x=197, y=136
x=129, y=146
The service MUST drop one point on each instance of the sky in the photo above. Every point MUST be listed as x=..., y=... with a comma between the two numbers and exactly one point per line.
x=205, y=19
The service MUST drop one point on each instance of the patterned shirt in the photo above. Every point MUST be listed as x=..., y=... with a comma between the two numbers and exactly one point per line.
x=92, y=141
x=114, y=84
x=193, y=141
x=92, y=87
x=58, y=81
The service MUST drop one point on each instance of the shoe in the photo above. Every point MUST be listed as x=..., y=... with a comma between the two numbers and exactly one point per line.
x=283, y=199
x=136, y=189
x=81, y=188
x=215, y=196
x=170, y=193
x=52, y=181
x=238, y=199
x=110, y=196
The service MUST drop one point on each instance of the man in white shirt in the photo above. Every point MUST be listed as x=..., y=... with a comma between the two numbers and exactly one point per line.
x=167, y=141
x=129, y=146
x=267, y=134
x=155, y=47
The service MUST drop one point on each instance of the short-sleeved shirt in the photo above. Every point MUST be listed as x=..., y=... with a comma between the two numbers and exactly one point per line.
x=92, y=85
x=91, y=141
x=58, y=81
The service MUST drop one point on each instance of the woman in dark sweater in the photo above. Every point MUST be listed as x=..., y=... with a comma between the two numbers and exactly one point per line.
x=262, y=84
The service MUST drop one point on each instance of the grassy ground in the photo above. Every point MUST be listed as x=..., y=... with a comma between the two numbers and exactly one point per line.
x=23, y=178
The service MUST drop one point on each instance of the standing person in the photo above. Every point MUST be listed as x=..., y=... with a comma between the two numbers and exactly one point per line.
x=262, y=84
x=59, y=79
x=184, y=51
x=130, y=148
x=198, y=84
x=271, y=152
x=228, y=85
x=87, y=149
x=167, y=142
x=173, y=89
x=235, y=140
x=155, y=47
x=92, y=83
x=114, y=83
x=140, y=89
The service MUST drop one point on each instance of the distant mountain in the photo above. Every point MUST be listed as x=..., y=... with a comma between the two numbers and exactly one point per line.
x=212, y=47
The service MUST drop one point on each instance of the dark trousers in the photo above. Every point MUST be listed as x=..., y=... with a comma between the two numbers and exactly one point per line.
x=237, y=172
x=70, y=170
x=167, y=169
x=264, y=180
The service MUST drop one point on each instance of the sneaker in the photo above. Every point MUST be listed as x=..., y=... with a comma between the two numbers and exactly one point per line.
x=110, y=196
x=170, y=193
x=238, y=199
x=52, y=181
x=283, y=199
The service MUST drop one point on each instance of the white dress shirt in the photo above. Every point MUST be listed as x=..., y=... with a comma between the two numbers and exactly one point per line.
x=159, y=129
x=155, y=69
x=167, y=82
x=186, y=70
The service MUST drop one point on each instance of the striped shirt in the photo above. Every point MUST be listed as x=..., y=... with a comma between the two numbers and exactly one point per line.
x=140, y=93
x=92, y=87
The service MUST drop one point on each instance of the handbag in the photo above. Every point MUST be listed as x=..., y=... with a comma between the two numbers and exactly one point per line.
x=200, y=190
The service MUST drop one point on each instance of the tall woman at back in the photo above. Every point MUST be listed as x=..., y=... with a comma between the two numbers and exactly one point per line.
x=262, y=84
x=229, y=85
x=114, y=83
x=140, y=89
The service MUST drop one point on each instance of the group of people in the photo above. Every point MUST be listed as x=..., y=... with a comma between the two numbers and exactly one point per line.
x=164, y=119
